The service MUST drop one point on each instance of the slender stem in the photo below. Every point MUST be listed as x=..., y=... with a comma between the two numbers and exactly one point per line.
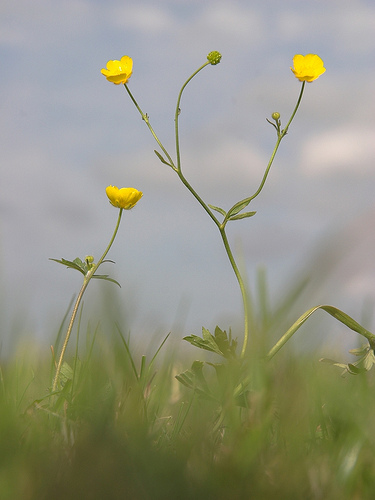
x=145, y=118
x=178, y=156
x=177, y=114
x=285, y=131
x=69, y=331
x=280, y=135
x=86, y=281
x=171, y=163
x=221, y=226
x=242, y=288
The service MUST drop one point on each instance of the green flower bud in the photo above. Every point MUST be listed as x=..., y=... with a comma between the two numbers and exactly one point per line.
x=214, y=57
x=275, y=116
x=89, y=259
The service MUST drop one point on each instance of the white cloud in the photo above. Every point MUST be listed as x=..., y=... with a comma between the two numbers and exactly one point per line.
x=348, y=149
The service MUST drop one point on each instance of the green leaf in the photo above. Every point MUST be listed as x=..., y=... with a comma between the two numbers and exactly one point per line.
x=369, y=360
x=225, y=343
x=218, y=209
x=220, y=343
x=162, y=159
x=105, y=277
x=207, y=342
x=238, y=207
x=76, y=264
x=354, y=370
x=360, y=351
x=242, y=216
x=335, y=313
x=194, y=379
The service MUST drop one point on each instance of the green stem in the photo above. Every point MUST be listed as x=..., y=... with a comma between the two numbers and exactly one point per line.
x=178, y=155
x=86, y=281
x=280, y=135
x=171, y=163
x=145, y=118
x=242, y=288
x=177, y=114
x=221, y=226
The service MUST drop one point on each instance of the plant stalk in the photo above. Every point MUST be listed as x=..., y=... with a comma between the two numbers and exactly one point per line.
x=86, y=281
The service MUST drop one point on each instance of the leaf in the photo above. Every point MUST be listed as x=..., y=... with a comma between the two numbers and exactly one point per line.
x=369, y=360
x=225, y=343
x=335, y=313
x=242, y=216
x=220, y=343
x=354, y=370
x=218, y=209
x=194, y=379
x=238, y=207
x=73, y=265
x=162, y=159
x=105, y=277
x=207, y=342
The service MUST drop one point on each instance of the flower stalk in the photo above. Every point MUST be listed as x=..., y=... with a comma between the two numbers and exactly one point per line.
x=305, y=68
x=234, y=212
x=124, y=199
x=86, y=280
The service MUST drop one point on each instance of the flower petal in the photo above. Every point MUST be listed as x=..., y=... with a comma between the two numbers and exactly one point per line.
x=307, y=68
x=119, y=71
x=125, y=198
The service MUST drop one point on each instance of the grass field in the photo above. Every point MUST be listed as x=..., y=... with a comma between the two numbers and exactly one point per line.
x=122, y=426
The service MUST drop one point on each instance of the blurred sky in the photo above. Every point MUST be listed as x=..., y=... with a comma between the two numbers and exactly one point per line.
x=66, y=133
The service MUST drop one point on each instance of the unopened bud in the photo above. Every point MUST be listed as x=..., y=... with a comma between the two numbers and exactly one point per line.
x=89, y=259
x=214, y=57
x=275, y=116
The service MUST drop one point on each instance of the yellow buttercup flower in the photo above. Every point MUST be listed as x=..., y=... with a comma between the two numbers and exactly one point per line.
x=307, y=68
x=119, y=71
x=124, y=198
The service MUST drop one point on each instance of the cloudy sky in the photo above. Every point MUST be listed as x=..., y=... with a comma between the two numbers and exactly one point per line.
x=66, y=133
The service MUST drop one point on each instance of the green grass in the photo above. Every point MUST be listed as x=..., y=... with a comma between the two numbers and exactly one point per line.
x=121, y=428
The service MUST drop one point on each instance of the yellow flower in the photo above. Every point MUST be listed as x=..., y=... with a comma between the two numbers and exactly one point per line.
x=123, y=198
x=307, y=68
x=119, y=71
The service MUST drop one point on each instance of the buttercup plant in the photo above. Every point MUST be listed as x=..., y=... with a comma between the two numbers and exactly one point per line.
x=124, y=199
x=306, y=68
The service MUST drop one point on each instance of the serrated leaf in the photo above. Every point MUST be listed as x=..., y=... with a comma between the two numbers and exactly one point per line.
x=218, y=209
x=242, y=216
x=225, y=343
x=238, y=207
x=207, y=343
x=70, y=264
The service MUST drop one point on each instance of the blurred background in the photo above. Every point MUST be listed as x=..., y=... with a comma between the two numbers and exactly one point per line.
x=66, y=133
